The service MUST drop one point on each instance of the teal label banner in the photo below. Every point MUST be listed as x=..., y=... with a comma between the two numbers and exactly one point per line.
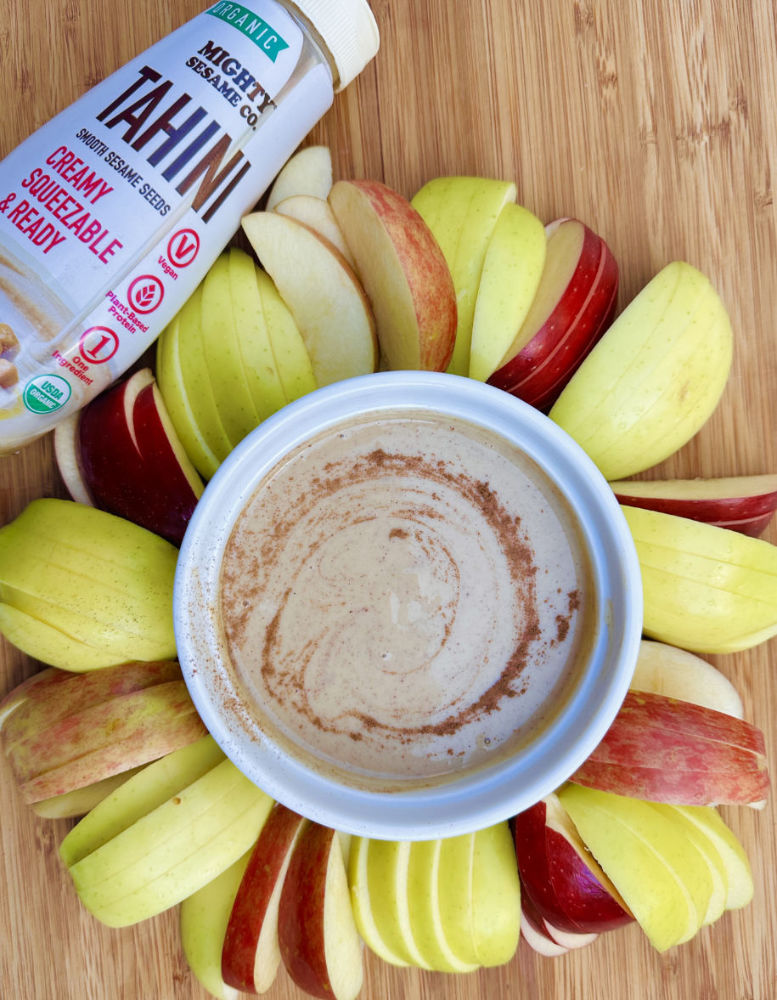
x=262, y=34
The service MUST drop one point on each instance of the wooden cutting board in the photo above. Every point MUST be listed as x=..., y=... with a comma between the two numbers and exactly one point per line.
x=651, y=121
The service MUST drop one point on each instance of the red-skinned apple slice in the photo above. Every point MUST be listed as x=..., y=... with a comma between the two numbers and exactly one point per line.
x=105, y=739
x=166, y=464
x=251, y=955
x=403, y=271
x=574, y=305
x=562, y=879
x=742, y=503
x=67, y=452
x=319, y=943
x=535, y=934
x=672, y=751
x=569, y=939
x=52, y=694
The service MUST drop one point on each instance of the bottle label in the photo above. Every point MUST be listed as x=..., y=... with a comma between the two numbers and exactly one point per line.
x=111, y=214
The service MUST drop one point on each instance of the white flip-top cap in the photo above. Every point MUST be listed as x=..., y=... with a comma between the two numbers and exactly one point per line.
x=348, y=29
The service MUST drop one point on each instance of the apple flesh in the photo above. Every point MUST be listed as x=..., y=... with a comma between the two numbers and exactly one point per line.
x=403, y=271
x=308, y=172
x=672, y=342
x=706, y=589
x=251, y=952
x=574, y=304
x=676, y=673
x=462, y=213
x=741, y=503
x=535, y=934
x=561, y=878
x=319, y=943
x=672, y=751
x=318, y=215
x=324, y=296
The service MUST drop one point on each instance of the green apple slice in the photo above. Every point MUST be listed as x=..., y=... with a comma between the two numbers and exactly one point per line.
x=387, y=867
x=423, y=879
x=512, y=268
x=172, y=385
x=222, y=355
x=655, y=376
x=204, y=918
x=291, y=356
x=739, y=878
x=496, y=896
x=140, y=795
x=363, y=903
x=461, y=213
x=455, y=886
x=653, y=864
x=50, y=645
x=253, y=337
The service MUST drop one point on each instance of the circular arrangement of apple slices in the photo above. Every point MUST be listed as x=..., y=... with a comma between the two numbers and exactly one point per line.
x=350, y=277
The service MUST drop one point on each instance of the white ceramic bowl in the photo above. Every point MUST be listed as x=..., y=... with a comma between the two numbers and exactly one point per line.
x=474, y=799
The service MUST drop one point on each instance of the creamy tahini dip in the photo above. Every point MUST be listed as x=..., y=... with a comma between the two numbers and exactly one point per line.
x=405, y=597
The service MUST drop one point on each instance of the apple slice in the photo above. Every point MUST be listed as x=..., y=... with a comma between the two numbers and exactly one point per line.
x=496, y=896
x=742, y=503
x=564, y=882
x=656, y=868
x=251, y=953
x=81, y=800
x=105, y=739
x=324, y=296
x=665, y=750
x=535, y=934
x=706, y=589
x=308, y=171
x=672, y=343
x=367, y=906
x=461, y=213
x=318, y=939
x=175, y=387
x=403, y=271
x=316, y=213
x=569, y=939
x=739, y=878
x=174, y=486
x=204, y=917
x=67, y=452
x=574, y=305
x=292, y=360
x=512, y=268
x=676, y=673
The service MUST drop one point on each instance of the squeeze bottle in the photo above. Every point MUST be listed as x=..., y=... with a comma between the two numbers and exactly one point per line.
x=112, y=212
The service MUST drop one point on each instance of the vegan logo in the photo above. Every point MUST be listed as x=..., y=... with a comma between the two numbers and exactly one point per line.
x=252, y=26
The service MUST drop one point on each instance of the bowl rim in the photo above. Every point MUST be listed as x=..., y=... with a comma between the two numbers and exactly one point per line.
x=478, y=798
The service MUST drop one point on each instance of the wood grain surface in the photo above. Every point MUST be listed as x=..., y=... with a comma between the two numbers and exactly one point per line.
x=653, y=121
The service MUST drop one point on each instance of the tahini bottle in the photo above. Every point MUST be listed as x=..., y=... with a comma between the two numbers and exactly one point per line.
x=111, y=213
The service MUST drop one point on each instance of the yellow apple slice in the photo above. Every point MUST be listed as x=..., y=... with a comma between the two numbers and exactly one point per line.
x=308, y=171
x=658, y=871
x=496, y=896
x=709, y=851
x=51, y=645
x=654, y=377
x=291, y=356
x=706, y=589
x=81, y=800
x=363, y=903
x=739, y=878
x=316, y=213
x=322, y=292
x=403, y=271
x=461, y=213
x=253, y=337
x=173, y=850
x=204, y=918
x=173, y=386
x=222, y=354
x=141, y=794
x=423, y=875
x=193, y=364
x=455, y=882
x=512, y=268
x=676, y=673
